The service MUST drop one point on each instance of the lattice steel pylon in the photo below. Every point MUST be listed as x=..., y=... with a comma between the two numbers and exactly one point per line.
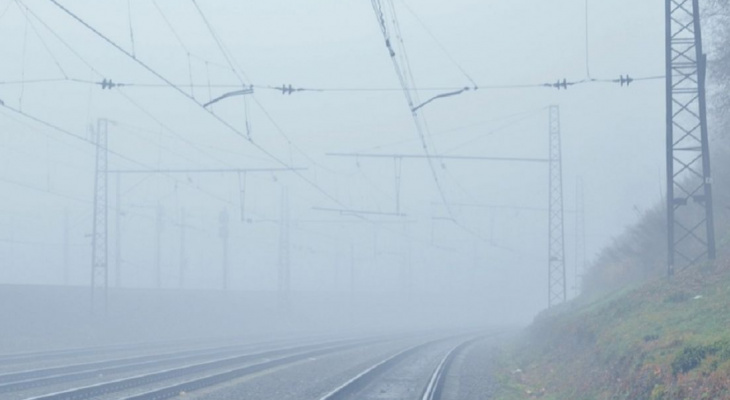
x=690, y=220
x=557, y=288
x=99, y=236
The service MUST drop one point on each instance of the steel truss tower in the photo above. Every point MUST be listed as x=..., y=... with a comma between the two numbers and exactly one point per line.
x=99, y=236
x=690, y=220
x=557, y=288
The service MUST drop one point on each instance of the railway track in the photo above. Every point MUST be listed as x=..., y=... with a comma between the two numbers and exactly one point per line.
x=10, y=361
x=432, y=391
x=434, y=388
x=29, y=357
x=204, y=374
x=36, y=378
x=167, y=375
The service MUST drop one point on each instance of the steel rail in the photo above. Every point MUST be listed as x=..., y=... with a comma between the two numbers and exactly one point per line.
x=363, y=378
x=216, y=379
x=233, y=363
x=434, y=388
x=24, y=380
x=17, y=358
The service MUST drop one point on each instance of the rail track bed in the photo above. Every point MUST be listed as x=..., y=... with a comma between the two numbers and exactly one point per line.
x=120, y=377
x=387, y=367
x=414, y=368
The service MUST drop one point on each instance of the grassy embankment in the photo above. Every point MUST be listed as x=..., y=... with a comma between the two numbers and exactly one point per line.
x=662, y=340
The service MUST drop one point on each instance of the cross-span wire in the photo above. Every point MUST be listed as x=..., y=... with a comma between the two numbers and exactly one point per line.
x=186, y=95
x=226, y=54
x=110, y=83
x=290, y=89
x=111, y=151
x=40, y=38
x=405, y=77
x=475, y=86
x=236, y=67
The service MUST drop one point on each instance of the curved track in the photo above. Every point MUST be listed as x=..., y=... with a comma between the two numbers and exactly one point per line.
x=372, y=373
x=199, y=375
x=434, y=389
x=360, y=386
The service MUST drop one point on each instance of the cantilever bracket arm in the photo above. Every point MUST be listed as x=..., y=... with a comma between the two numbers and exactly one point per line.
x=242, y=92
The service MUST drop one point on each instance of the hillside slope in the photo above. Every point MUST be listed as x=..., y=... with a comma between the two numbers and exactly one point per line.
x=661, y=341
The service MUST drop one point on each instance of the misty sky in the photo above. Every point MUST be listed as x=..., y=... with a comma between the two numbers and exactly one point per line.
x=613, y=137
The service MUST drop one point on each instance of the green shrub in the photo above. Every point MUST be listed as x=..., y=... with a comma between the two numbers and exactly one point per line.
x=690, y=358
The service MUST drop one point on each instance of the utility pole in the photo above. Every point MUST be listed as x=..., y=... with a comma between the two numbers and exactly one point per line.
x=284, y=275
x=690, y=219
x=580, y=234
x=223, y=234
x=158, y=245
x=99, y=237
x=118, y=233
x=557, y=290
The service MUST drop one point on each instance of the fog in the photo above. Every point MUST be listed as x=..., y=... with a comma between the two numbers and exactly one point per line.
x=470, y=245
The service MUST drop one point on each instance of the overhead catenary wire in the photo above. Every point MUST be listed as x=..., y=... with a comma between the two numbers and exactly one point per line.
x=246, y=135
x=40, y=38
x=240, y=75
x=221, y=46
x=587, y=80
x=94, y=70
x=143, y=134
x=186, y=95
x=7, y=7
x=131, y=27
x=117, y=86
x=402, y=72
x=111, y=152
x=324, y=89
x=475, y=86
x=43, y=133
x=520, y=117
x=493, y=131
x=42, y=190
x=405, y=77
x=60, y=39
x=173, y=132
x=182, y=44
